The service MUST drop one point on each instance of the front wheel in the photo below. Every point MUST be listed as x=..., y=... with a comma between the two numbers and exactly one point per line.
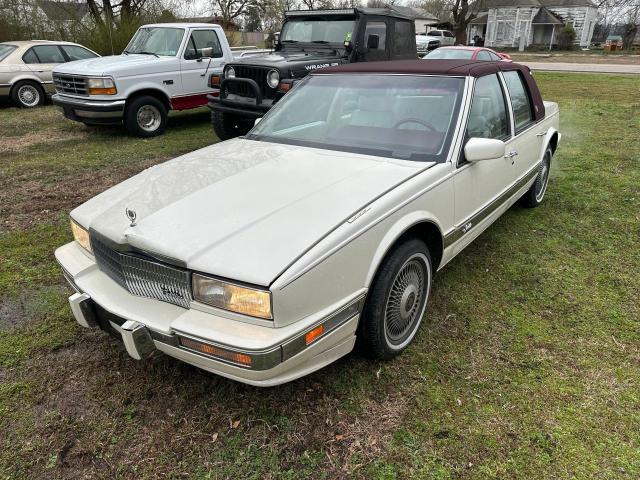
x=397, y=300
x=145, y=116
x=534, y=196
x=228, y=126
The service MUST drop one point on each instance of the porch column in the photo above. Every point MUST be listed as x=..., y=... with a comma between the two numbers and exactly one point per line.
x=553, y=31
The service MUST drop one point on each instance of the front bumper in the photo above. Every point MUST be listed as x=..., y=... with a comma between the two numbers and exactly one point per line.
x=253, y=106
x=270, y=356
x=87, y=110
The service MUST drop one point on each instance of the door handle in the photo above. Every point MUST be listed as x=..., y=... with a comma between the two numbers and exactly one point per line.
x=511, y=154
x=541, y=134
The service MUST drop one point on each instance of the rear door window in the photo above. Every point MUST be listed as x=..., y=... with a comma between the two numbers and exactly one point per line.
x=483, y=55
x=520, y=101
x=49, y=54
x=403, y=37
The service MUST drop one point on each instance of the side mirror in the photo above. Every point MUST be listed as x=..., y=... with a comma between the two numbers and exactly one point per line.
x=257, y=121
x=478, y=149
x=373, y=42
x=207, y=52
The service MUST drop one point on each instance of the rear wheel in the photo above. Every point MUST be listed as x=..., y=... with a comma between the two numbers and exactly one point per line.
x=397, y=300
x=145, y=116
x=227, y=125
x=535, y=194
x=27, y=94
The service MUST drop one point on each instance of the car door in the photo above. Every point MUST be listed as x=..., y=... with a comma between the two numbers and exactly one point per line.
x=41, y=59
x=526, y=143
x=194, y=66
x=479, y=185
x=379, y=28
x=448, y=38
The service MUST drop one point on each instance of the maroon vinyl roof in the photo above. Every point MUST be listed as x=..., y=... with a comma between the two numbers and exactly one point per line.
x=472, y=68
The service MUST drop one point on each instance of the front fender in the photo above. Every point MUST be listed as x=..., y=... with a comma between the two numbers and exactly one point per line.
x=400, y=227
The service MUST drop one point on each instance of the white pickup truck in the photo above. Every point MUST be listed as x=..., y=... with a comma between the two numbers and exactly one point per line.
x=164, y=67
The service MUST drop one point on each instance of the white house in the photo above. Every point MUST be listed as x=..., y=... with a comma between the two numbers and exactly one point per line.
x=506, y=23
x=424, y=21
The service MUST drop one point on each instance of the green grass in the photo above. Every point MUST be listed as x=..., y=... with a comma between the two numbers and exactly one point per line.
x=527, y=364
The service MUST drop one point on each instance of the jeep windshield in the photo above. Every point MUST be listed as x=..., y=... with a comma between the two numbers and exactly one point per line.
x=317, y=31
x=161, y=41
x=407, y=117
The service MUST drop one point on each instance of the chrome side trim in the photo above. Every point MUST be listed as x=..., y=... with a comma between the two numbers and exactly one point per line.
x=337, y=319
x=477, y=218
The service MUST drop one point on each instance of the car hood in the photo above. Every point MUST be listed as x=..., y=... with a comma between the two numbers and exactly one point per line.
x=296, y=61
x=116, y=64
x=242, y=209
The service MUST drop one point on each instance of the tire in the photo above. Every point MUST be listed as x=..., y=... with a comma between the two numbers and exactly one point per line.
x=534, y=196
x=27, y=94
x=145, y=116
x=228, y=126
x=396, y=301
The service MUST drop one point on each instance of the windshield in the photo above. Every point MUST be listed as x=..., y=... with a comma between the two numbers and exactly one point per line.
x=156, y=41
x=318, y=31
x=407, y=117
x=450, y=54
x=5, y=50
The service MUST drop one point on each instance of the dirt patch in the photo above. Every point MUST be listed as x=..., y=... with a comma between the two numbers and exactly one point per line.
x=15, y=144
x=12, y=314
x=31, y=202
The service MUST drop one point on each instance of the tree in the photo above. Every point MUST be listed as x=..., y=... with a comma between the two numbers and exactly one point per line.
x=462, y=13
x=229, y=10
x=631, y=26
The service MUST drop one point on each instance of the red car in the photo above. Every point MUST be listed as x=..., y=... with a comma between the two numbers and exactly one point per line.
x=467, y=53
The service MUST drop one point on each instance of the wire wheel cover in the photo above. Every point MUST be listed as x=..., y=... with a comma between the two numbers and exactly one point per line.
x=406, y=300
x=28, y=95
x=542, y=179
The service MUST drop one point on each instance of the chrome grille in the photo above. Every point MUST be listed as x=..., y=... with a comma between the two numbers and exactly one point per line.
x=258, y=74
x=143, y=277
x=70, y=84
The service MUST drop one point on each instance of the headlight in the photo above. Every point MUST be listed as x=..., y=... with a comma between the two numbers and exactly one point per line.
x=101, y=86
x=81, y=236
x=228, y=296
x=273, y=78
x=229, y=73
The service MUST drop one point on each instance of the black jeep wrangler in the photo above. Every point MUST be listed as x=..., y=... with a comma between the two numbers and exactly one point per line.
x=309, y=40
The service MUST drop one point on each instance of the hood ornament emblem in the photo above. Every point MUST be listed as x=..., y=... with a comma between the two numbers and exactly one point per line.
x=131, y=215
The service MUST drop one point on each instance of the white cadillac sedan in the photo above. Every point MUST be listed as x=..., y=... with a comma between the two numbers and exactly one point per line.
x=264, y=258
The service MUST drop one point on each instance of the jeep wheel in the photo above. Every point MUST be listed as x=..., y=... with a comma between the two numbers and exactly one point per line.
x=396, y=301
x=229, y=126
x=27, y=94
x=145, y=117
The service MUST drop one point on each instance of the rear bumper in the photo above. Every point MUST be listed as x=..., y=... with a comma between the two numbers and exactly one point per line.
x=90, y=111
x=271, y=356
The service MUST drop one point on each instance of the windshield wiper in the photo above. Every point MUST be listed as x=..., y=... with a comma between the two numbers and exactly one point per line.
x=126, y=52
x=320, y=41
x=288, y=41
x=149, y=53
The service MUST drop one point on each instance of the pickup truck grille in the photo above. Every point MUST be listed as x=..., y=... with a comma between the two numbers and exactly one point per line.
x=143, y=277
x=70, y=84
x=258, y=74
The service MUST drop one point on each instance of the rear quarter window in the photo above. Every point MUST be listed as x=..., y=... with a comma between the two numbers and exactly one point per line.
x=5, y=50
x=520, y=100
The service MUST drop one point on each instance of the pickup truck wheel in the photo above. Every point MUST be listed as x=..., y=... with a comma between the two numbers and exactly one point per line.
x=535, y=194
x=145, y=117
x=229, y=126
x=397, y=300
x=27, y=94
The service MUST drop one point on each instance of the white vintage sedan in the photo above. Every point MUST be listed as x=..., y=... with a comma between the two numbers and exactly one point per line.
x=265, y=258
